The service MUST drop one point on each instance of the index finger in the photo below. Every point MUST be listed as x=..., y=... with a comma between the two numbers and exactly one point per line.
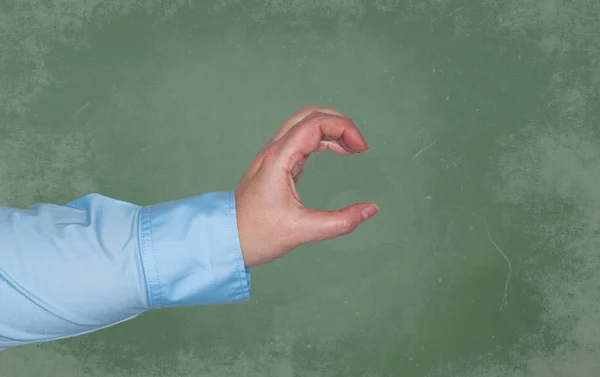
x=299, y=117
x=321, y=131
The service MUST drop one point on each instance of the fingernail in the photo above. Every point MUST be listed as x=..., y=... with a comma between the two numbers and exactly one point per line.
x=369, y=212
x=355, y=151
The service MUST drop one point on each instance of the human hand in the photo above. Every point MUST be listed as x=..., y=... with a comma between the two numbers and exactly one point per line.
x=271, y=217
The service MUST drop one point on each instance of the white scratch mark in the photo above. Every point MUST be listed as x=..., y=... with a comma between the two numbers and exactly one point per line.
x=82, y=108
x=424, y=149
x=509, y=274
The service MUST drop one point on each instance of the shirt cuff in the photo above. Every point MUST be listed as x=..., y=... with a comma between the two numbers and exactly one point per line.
x=191, y=252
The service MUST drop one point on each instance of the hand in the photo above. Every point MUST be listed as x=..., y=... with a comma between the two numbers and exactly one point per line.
x=271, y=217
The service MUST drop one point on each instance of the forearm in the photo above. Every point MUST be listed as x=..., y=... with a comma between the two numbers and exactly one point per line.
x=95, y=262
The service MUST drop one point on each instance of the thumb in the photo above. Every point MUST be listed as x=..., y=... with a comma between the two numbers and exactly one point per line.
x=326, y=225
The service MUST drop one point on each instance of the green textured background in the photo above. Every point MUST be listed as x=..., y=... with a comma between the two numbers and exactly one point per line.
x=134, y=99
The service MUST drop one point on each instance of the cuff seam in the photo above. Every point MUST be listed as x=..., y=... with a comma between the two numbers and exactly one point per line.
x=149, y=252
x=243, y=288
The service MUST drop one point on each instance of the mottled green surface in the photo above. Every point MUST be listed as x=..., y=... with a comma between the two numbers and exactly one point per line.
x=133, y=99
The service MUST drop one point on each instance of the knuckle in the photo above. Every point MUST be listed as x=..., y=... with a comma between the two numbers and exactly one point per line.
x=345, y=226
x=331, y=111
x=315, y=116
x=269, y=154
x=310, y=109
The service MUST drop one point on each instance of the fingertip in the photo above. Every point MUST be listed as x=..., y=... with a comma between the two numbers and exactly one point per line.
x=355, y=140
x=369, y=211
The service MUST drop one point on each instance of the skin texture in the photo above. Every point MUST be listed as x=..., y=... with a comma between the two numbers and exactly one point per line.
x=272, y=220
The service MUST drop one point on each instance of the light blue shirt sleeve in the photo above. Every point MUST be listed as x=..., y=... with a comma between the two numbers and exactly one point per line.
x=95, y=262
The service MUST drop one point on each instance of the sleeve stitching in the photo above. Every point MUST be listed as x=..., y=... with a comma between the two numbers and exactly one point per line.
x=154, y=290
x=160, y=293
x=240, y=268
